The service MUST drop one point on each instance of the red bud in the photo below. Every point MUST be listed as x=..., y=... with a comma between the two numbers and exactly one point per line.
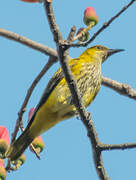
x=90, y=16
x=4, y=140
x=4, y=134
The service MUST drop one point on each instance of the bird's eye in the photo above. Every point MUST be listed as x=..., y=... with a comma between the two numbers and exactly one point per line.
x=99, y=47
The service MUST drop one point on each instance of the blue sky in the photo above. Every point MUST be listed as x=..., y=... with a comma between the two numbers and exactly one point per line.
x=68, y=153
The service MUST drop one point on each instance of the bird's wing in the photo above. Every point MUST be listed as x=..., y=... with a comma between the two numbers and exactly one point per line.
x=50, y=87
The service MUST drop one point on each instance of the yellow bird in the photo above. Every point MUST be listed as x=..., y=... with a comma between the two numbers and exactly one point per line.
x=56, y=104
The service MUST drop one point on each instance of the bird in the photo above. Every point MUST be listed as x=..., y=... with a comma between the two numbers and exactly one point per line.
x=56, y=102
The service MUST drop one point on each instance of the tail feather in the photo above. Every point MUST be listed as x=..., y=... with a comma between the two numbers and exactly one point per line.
x=19, y=146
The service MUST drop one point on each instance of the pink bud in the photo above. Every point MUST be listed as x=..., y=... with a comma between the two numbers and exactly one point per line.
x=4, y=140
x=30, y=114
x=4, y=134
x=38, y=143
x=84, y=37
x=90, y=16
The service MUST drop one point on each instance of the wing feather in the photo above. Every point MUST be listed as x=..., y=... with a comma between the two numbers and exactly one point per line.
x=54, y=81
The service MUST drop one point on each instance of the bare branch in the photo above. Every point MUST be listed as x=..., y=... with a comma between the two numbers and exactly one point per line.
x=97, y=155
x=52, y=22
x=123, y=89
x=105, y=147
x=25, y=41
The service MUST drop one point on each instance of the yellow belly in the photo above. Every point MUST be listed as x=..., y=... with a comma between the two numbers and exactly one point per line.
x=50, y=113
x=56, y=109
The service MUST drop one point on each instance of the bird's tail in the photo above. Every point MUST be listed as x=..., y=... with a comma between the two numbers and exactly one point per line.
x=19, y=146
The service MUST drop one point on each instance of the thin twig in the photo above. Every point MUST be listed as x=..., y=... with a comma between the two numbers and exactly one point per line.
x=84, y=31
x=105, y=147
x=71, y=34
x=52, y=22
x=105, y=25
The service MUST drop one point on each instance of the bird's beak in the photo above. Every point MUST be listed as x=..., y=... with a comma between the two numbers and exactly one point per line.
x=112, y=51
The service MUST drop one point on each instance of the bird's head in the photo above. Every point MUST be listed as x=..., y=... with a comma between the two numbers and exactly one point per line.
x=101, y=52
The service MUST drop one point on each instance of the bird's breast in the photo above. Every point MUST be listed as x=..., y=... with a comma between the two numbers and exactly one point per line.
x=89, y=82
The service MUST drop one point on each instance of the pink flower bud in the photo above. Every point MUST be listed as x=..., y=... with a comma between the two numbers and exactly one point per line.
x=90, y=16
x=84, y=37
x=4, y=140
x=30, y=114
x=4, y=134
x=38, y=143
